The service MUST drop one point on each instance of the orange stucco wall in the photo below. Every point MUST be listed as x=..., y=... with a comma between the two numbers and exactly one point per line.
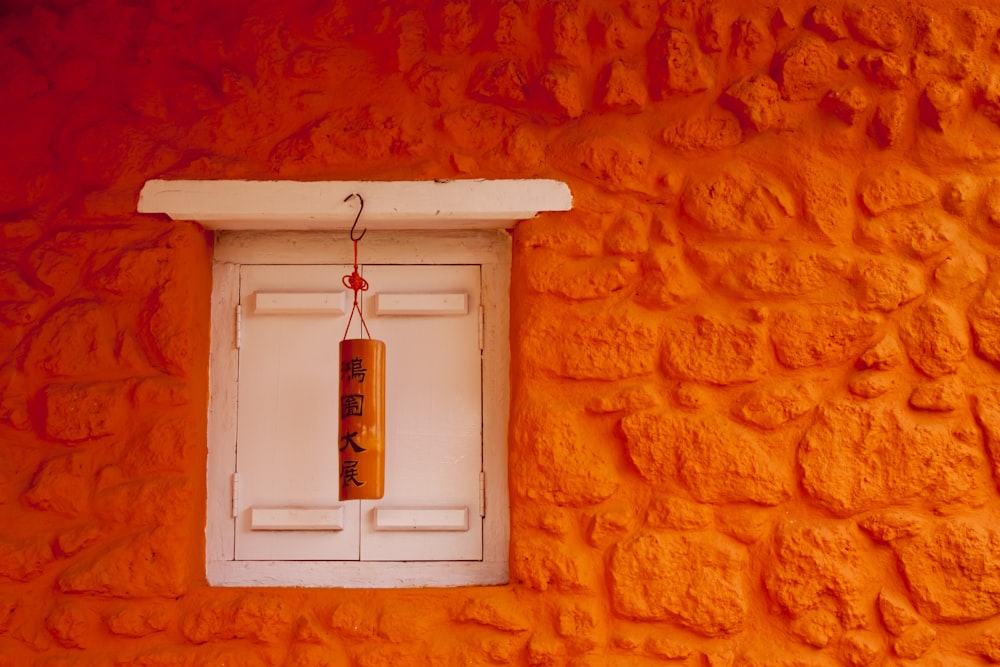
x=756, y=407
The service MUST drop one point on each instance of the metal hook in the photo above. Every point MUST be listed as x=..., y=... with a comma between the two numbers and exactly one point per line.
x=358, y=216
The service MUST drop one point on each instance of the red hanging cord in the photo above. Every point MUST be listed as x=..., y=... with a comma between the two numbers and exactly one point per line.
x=354, y=281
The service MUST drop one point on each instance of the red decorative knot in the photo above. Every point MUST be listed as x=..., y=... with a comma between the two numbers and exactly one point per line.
x=355, y=282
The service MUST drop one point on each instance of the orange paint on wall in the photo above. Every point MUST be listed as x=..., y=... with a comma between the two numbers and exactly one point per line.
x=754, y=377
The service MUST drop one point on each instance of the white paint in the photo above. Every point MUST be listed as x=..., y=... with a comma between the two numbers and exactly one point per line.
x=324, y=205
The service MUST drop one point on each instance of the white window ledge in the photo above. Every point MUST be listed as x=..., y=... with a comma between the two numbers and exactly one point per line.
x=321, y=205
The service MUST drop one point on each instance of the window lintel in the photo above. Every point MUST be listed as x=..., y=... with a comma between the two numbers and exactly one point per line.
x=461, y=204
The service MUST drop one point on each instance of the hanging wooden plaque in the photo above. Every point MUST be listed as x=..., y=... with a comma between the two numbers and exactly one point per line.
x=362, y=419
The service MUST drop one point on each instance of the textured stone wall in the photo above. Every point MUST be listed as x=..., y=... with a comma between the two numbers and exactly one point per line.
x=756, y=403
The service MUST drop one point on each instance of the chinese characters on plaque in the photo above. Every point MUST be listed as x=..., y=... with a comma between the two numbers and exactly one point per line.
x=362, y=419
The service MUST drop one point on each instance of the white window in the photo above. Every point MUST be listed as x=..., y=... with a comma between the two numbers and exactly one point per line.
x=439, y=300
x=274, y=514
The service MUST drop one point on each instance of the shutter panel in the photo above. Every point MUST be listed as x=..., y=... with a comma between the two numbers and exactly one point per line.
x=433, y=410
x=286, y=454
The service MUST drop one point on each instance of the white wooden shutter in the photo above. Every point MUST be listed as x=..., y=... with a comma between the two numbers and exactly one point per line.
x=433, y=411
x=286, y=451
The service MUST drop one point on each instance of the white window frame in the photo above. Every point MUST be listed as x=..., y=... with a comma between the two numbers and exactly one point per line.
x=435, y=211
x=491, y=251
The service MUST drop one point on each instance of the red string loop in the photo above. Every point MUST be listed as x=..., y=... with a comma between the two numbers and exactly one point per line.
x=355, y=282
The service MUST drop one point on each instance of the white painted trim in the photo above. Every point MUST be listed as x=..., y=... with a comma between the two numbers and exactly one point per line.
x=313, y=247
x=492, y=251
x=323, y=205
x=220, y=536
x=495, y=299
x=343, y=574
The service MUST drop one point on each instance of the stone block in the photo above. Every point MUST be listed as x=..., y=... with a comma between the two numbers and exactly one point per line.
x=886, y=69
x=676, y=65
x=820, y=335
x=167, y=332
x=712, y=131
x=871, y=384
x=805, y=68
x=943, y=395
x=554, y=459
x=502, y=81
x=875, y=25
x=772, y=405
x=542, y=564
x=77, y=412
x=608, y=526
x=24, y=559
x=714, y=459
x=892, y=525
x=897, y=615
x=596, y=278
x=138, y=620
x=500, y=612
x=819, y=566
x=63, y=484
x=623, y=88
x=886, y=284
x=940, y=104
x=895, y=187
x=768, y=272
x=625, y=399
x=147, y=564
x=848, y=103
x=71, y=624
x=694, y=580
x=984, y=316
x=565, y=92
x=621, y=163
x=953, y=571
x=886, y=354
x=826, y=22
x=756, y=101
x=582, y=624
x=75, y=340
x=714, y=350
x=738, y=202
x=986, y=407
x=859, y=457
x=667, y=278
x=936, y=338
x=606, y=344
x=889, y=122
